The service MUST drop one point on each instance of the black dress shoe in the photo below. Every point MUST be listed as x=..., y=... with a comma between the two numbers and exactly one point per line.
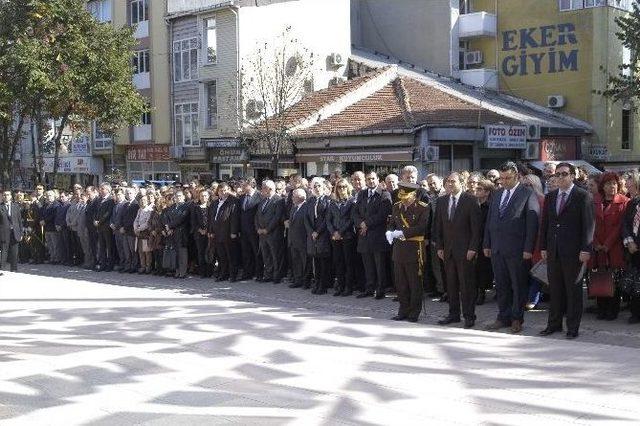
x=480, y=299
x=306, y=286
x=295, y=285
x=399, y=318
x=337, y=293
x=346, y=293
x=395, y=299
x=379, y=296
x=571, y=335
x=633, y=320
x=277, y=281
x=448, y=320
x=363, y=295
x=547, y=331
x=412, y=319
x=469, y=323
x=321, y=291
x=443, y=298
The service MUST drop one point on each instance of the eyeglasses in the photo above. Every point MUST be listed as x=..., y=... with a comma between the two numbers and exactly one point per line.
x=342, y=186
x=562, y=174
x=450, y=181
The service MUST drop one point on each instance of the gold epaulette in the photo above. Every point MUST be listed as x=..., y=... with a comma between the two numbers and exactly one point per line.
x=422, y=203
x=397, y=202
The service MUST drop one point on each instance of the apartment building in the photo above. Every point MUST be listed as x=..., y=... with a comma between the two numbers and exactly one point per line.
x=210, y=41
x=555, y=53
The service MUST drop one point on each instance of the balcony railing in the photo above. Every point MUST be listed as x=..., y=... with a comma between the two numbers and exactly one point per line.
x=478, y=24
x=481, y=77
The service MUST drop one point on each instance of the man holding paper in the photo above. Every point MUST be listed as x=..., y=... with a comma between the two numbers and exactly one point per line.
x=407, y=226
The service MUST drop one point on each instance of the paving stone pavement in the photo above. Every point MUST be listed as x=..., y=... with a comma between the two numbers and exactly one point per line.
x=78, y=347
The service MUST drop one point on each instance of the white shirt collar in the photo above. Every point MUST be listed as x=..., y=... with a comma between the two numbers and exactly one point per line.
x=568, y=191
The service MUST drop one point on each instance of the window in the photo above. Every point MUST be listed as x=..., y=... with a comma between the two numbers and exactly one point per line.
x=212, y=104
x=595, y=3
x=210, y=40
x=102, y=139
x=139, y=11
x=465, y=6
x=626, y=128
x=463, y=47
x=140, y=61
x=100, y=9
x=146, y=116
x=186, y=124
x=185, y=59
x=571, y=4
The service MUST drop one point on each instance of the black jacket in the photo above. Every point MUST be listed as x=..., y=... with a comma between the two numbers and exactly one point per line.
x=227, y=221
x=177, y=218
x=10, y=221
x=103, y=213
x=374, y=213
x=316, y=221
x=340, y=218
x=464, y=231
x=247, y=207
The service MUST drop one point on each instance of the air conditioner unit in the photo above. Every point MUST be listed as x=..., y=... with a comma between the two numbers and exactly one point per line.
x=473, y=57
x=336, y=59
x=533, y=131
x=532, y=152
x=337, y=80
x=177, y=151
x=555, y=101
x=254, y=109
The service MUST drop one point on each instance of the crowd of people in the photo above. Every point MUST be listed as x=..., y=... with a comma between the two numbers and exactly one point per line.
x=453, y=237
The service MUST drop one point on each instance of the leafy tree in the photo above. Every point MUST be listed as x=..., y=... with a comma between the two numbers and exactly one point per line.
x=57, y=61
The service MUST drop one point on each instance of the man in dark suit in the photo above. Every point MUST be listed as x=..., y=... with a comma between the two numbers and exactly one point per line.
x=128, y=235
x=297, y=238
x=269, y=224
x=225, y=228
x=10, y=232
x=373, y=207
x=566, y=239
x=102, y=221
x=93, y=202
x=510, y=236
x=177, y=228
x=248, y=205
x=458, y=240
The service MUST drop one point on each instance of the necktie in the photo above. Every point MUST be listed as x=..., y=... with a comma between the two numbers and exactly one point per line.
x=563, y=201
x=315, y=208
x=370, y=195
x=220, y=203
x=264, y=205
x=245, y=202
x=636, y=221
x=9, y=210
x=452, y=210
x=505, y=203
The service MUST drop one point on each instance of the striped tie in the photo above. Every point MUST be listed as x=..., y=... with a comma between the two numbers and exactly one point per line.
x=505, y=203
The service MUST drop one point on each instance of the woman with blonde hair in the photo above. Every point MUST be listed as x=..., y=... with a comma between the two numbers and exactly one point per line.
x=141, y=230
x=343, y=237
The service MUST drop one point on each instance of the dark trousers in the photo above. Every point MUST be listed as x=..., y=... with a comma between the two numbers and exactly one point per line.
x=77, y=256
x=105, y=248
x=227, y=259
x=461, y=287
x=93, y=244
x=360, y=279
x=272, y=250
x=511, y=274
x=322, y=272
x=9, y=254
x=375, y=270
x=565, y=293
x=299, y=265
x=251, y=260
x=344, y=263
x=66, y=251
x=409, y=288
x=634, y=302
x=609, y=307
x=38, y=247
x=202, y=241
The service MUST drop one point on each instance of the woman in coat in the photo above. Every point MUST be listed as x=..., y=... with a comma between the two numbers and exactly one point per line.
x=343, y=237
x=609, y=211
x=141, y=230
x=318, y=242
x=199, y=226
x=482, y=189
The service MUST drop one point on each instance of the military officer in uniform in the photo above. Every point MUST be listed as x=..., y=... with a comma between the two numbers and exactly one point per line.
x=407, y=228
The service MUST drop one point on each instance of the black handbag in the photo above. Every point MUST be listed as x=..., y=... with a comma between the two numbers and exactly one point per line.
x=169, y=258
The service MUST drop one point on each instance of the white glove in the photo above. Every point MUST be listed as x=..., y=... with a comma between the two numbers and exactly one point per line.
x=389, y=236
x=399, y=235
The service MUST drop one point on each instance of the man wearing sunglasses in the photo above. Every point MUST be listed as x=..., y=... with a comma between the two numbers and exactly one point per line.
x=566, y=240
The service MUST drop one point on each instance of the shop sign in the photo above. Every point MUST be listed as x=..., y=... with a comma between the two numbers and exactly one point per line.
x=220, y=143
x=228, y=155
x=500, y=136
x=150, y=152
x=599, y=152
x=355, y=157
x=558, y=149
x=73, y=165
x=80, y=145
x=262, y=148
x=547, y=49
x=260, y=164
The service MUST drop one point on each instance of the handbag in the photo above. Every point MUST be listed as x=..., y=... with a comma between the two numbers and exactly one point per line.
x=602, y=281
x=169, y=258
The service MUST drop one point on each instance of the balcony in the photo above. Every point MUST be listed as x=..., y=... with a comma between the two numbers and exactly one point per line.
x=478, y=24
x=176, y=6
x=141, y=30
x=142, y=133
x=482, y=77
x=142, y=80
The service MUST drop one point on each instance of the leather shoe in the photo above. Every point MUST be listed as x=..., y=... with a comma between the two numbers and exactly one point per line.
x=547, y=331
x=571, y=335
x=496, y=325
x=277, y=281
x=516, y=326
x=363, y=295
x=412, y=319
x=321, y=291
x=469, y=323
x=379, y=296
x=399, y=318
x=294, y=285
x=448, y=320
x=444, y=298
x=346, y=293
x=480, y=299
x=395, y=299
x=633, y=319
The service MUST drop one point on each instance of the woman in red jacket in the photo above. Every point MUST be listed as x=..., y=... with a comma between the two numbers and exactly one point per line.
x=609, y=209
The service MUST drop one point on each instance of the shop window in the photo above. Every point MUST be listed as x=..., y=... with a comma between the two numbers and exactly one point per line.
x=141, y=61
x=212, y=105
x=185, y=59
x=139, y=11
x=186, y=124
x=626, y=128
x=210, y=40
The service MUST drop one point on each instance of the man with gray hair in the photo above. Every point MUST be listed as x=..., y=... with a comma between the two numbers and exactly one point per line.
x=128, y=235
x=269, y=223
x=297, y=237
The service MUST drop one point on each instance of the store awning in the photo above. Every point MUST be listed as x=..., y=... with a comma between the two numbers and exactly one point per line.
x=590, y=168
x=359, y=156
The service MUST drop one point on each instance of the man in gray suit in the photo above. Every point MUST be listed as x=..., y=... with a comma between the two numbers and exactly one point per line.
x=509, y=240
x=269, y=223
x=297, y=238
x=10, y=232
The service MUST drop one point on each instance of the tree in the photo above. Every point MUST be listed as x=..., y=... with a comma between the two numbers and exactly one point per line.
x=272, y=79
x=625, y=86
x=57, y=61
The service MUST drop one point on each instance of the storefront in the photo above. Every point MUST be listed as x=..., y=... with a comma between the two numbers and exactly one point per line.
x=228, y=158
x=84, y=170
x=151, y=162
x=261, y=165
x=381, y=160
